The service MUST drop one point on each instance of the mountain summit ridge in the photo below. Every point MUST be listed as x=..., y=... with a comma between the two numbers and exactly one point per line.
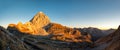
x=40, y=20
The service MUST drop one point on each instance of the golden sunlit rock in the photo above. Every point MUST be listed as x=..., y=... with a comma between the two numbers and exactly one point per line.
x=29, y=28
x=40, y=21
x=25, y=28
x=67, y=34
x=33, y=27
x=12, y=25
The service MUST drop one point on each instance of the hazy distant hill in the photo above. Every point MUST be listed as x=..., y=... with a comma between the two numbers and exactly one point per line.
x=109, y=42
x=95, y=32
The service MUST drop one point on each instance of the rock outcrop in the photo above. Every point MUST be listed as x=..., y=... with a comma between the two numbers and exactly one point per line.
x=67, y=34
x=10, y=42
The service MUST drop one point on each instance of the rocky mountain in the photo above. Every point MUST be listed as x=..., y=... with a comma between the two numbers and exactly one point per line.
x=40, y=20
x=34, y=27
x=67, y=34
x=41, y=34
x=41, y=25
x=95, y=32
x=10, y=41
x=109, y=42
x=107, y=32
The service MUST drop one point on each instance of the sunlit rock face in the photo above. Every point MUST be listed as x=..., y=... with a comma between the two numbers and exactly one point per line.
x=26, y=28
x=40, y=20
x=35, y=26
x=67, y=34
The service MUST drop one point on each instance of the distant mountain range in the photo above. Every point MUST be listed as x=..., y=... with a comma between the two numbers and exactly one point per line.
x=95, y=32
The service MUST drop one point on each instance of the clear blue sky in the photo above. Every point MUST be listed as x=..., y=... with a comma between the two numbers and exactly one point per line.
x=73, y=13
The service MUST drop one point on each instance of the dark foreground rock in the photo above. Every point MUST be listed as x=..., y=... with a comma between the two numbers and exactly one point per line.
x=9, y=42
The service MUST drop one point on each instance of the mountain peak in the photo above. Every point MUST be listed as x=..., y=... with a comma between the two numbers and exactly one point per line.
x=40, y=20
x=40, y=12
